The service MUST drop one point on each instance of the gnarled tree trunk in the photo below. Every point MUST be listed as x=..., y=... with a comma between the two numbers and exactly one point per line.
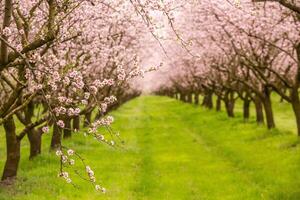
x=182, y=97
x=229, y=108
x=296, y=107
x=268, y=109
x=56, y=137
x=218, y=104
x=35, y=140
x=67, y=128
x=208, y=100
x=246, y=109
x=294, y=92
x=76, y=123
x=259, y=110
x=34, y=135
x=269, y=114
x=189, y=98
x=12, y=150
x=196, y=98
x=229, y=101
x=87, y=119
x=185, y=98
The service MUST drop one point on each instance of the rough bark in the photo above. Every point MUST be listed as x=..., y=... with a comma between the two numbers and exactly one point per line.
x=34, y=135
x=296, y=108
x=229, y=105
x=259, y=111
x=35, y=141
x=76, y=123
x=218, y=104
x=87, y=119
x=181, y=97
x=6, y=22
x=184, y=96
x=12, y=150
x=246, y=109
x=295, y=94
x=56, y=137
x=67, y=128
x=269, y=112
x=196, y=98
x=189, y=98
x=208, y=100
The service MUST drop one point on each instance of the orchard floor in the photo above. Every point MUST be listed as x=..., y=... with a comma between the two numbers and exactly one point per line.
x=173, y=151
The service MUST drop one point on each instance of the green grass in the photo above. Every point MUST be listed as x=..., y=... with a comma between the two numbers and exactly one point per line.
x=174, y=151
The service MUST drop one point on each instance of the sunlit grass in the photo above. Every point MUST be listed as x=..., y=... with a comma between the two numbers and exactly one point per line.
x=172, y=151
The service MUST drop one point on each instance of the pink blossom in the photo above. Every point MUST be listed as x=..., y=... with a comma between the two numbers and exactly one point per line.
x=103, y=107
x=6, y=31
x=93, y=89
x=60, y=123
x=70, y=152
x=84, y=102
x=86, y=95
x=70, y=112
x=45, y=129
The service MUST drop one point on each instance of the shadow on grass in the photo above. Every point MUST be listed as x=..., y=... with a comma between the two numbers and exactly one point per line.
x=266, y=135
x=291, y=144
x=283, y=195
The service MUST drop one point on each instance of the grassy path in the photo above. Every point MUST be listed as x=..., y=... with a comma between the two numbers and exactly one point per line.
x=178, y=164
x=200, y=156
x=173, y=151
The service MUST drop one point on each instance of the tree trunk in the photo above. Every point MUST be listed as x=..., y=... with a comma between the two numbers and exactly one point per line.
x=98, y=115
x=281, y=100
x=35, y=141
x=246, y=109
x=34, y=135
x=296, y=108
x=218, y=104
x=12, y=150
x=196, y=98
x=294, y=93
x=67, y=129
x=189, y=98
x=76, y=123
x=259, y=111
x=208, y=100
x=229, y=103
x=204, y=101
x=8, y=7
x=182, y=97
x=56, y=137
x=87, y=119
x=269, y=112
x=229, y=108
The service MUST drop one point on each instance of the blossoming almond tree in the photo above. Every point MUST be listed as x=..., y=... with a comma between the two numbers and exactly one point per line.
x=69, y=57
x=250, y=45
